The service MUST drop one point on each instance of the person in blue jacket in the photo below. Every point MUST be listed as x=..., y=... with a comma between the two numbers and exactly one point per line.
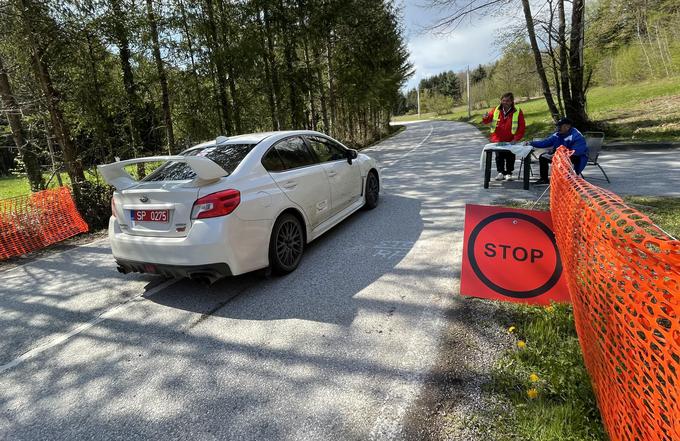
x=568, y=136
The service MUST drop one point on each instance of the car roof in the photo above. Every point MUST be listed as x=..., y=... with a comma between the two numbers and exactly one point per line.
x=254, y=138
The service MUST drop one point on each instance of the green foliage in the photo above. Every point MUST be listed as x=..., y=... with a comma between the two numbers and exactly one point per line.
x=436, y=103
x=647, y=111
x=94, y=203
x=445, y=83
x=478, y=74
x=628, y=41
x=564, y=407
x=231, y=67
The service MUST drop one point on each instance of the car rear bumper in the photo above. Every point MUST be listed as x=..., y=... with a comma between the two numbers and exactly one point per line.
x=209, y=273
x=241, y=246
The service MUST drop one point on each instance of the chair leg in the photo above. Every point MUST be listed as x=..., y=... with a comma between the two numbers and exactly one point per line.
x=605, y=174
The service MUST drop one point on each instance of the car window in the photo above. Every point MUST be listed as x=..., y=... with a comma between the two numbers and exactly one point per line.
x=227, y=156
x=294, y=153
x=272, y=161
x=325, y=149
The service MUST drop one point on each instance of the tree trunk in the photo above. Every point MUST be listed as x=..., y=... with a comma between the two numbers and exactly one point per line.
x=578, y=92
x=310, y=88
x=226, y=53
x=187, y=35
x=271, y=94
x=539, y=62
x=104, y=128
x=234, y=98
x=563, y=64
x=137, y=134
x=28, y=156
x=291, y=76
x=331, y=87
x=52, y=97
x=216, y=56
x=644, y=51
x=162, y=78
x=271, y=55
x=322, y=91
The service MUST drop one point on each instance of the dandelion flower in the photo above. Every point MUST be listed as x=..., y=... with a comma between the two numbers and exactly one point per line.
x=521, y=344
x=532, y=393
x=533, y=378
x=511, y=329
x=550, y=309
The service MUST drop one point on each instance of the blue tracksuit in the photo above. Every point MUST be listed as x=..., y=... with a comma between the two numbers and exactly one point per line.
x=573, y=140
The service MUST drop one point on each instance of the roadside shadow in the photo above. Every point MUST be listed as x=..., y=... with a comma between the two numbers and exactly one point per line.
x=334, y=269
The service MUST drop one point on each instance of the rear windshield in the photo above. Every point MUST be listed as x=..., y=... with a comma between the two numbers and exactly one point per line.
x=227, y=156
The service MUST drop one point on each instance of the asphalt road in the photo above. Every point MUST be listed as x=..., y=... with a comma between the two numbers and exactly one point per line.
x=337, y=350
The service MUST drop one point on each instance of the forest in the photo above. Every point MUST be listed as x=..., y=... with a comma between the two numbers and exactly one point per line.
x=85, y=81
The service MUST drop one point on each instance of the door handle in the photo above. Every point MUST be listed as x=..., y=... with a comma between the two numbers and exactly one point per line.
x=332, y=173
x=290, y=185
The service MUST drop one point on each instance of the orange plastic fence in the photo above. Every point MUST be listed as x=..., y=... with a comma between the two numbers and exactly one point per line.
x=28, y=223
x=623, y=274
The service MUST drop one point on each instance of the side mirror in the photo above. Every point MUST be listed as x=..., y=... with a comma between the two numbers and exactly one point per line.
x=351, y=154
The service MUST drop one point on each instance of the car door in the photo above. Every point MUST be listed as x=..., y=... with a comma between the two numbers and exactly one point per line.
x=344, y=178
x=301, y=178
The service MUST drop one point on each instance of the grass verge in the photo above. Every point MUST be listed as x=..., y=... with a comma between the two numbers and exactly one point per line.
x=541, y=384
x=12, y=186
x=646, y=111
x=664, y=211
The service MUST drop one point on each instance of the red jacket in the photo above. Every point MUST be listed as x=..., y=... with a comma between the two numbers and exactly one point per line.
x=503, y=131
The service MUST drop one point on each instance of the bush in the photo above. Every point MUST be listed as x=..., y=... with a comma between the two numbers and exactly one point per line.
x=94, y=203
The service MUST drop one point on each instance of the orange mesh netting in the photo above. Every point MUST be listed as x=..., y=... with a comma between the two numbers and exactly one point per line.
x=623, y=274
x=31, y=222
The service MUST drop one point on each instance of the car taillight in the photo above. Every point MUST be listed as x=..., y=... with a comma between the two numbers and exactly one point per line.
x=216, y=204
x=113, y=207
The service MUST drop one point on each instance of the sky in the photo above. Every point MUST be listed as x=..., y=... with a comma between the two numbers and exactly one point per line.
x=472, y=43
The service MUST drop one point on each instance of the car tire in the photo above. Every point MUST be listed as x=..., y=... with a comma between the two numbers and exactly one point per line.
x=286, y=245
x=372, y=191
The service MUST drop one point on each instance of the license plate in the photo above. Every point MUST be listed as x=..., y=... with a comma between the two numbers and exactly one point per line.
x=161, y=216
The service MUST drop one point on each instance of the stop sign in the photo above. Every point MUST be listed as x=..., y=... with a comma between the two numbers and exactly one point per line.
x=511, y=254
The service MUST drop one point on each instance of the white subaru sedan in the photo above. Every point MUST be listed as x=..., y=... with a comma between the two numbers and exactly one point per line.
x=237, y=204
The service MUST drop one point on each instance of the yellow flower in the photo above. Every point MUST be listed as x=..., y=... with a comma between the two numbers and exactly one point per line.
x=550, y=309
x=532, y=393
x=533, y=378
x=521, y=344
x=511, y=329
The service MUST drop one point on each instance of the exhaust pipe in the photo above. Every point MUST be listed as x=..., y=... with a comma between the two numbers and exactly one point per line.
x=206, y=278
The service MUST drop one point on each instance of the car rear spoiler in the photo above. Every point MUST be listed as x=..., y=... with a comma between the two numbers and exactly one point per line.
x=205, y=169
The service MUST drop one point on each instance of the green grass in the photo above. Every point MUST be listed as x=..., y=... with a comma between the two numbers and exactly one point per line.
x=646, y=111
x=414, y=117
x=664, y=211
x=565, y=406
x=12, y=186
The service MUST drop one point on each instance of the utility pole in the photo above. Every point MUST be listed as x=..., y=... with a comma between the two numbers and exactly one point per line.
x=418, y=97
x=468, y=91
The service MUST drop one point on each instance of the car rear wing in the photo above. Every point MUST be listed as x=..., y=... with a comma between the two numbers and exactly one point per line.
x=205, y=169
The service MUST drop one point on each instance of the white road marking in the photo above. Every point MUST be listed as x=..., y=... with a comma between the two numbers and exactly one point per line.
x=410, y=151
x=403, y=391
x=58, y=338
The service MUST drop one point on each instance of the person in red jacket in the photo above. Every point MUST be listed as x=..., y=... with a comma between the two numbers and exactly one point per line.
x=507, y=125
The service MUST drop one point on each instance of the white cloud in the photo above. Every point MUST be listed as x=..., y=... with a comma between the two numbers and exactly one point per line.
x=471, y=45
